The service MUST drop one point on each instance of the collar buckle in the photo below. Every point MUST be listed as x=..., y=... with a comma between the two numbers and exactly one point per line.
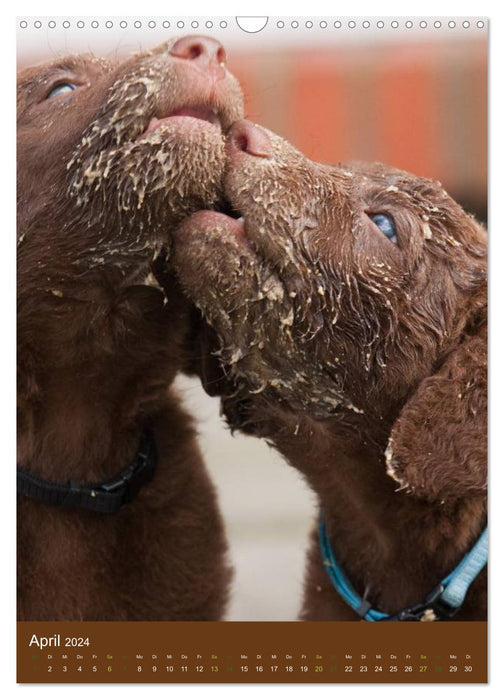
x=131, y=480
x=106, y=497
x=431, y=609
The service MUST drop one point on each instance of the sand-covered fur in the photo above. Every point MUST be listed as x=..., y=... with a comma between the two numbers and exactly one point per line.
x=360, y=356
x=111, y=156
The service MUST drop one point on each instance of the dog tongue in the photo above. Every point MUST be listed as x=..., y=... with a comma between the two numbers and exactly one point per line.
x=203, y=113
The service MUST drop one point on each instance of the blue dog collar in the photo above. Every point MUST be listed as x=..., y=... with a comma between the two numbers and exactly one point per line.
x=443, y=602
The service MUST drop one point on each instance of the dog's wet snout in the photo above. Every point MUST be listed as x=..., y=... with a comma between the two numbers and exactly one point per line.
x=248, y=138
x=204, y=52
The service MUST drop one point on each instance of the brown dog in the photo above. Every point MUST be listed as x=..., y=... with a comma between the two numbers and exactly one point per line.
x=111, y=156
x=349, y=312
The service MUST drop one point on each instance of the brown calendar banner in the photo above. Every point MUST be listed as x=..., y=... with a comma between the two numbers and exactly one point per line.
x=252, y=349
x=257, y=652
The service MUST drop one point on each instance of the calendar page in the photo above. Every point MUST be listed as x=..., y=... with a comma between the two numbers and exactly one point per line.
x=252, y=318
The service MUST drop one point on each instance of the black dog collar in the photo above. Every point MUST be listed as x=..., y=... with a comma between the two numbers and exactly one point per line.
x=101, y=498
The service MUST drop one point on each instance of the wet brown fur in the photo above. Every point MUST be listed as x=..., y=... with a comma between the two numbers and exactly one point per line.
x=361, y=360
x=98, y=347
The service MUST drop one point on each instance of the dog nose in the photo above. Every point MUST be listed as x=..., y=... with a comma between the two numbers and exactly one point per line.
x=249, y=138
x=203, y=50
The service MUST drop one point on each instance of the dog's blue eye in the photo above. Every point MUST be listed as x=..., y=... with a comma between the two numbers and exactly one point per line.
x=386, y=225
x=61, y=89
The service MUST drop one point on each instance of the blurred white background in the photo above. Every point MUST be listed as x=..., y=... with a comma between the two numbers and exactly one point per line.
x=267, y=508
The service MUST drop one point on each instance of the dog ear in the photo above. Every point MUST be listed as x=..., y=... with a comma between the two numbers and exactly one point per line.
x=437, y=448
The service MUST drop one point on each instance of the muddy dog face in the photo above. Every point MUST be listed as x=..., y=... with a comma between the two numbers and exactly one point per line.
x=338, y=289
x=120, y=153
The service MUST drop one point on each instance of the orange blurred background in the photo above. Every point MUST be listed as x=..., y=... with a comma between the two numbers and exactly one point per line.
x=418, y=106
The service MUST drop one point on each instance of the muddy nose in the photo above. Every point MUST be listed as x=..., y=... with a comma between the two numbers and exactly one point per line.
x=249, y=138
x=201, y=49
